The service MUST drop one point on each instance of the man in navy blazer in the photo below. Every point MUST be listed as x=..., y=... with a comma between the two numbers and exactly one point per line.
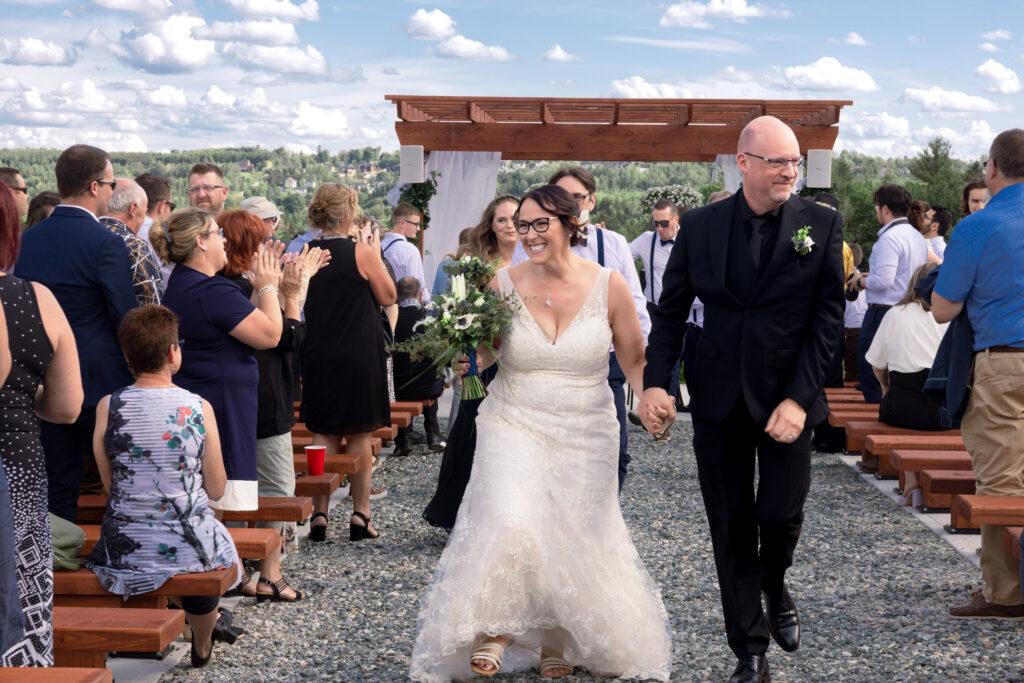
x=88, y=269
x=768, y=267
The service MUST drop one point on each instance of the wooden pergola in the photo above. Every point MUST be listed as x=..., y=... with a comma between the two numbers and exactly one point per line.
x=603, y=129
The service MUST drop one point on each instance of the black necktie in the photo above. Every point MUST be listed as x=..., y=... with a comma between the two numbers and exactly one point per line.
x=758, y=228
x=671, y=241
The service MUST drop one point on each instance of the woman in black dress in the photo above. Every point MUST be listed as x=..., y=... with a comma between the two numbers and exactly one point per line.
x=345, y=392
x=43, y=351
x=494, y=237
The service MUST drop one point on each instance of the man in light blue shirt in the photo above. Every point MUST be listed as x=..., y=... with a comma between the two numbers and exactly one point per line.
x=402, y=254
x=900, y=249
x=982, y=271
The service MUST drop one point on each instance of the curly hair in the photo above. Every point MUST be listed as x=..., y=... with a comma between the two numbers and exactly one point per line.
x=333, y=205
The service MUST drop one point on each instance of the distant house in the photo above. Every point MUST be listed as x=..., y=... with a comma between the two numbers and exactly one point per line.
x=244, y=165
x=290, y=183
x=309, y=184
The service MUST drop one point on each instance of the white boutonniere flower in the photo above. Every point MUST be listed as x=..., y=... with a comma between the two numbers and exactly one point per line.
x=802, y=242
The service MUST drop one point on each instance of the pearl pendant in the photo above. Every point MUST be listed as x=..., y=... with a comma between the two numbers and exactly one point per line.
x=547, y=302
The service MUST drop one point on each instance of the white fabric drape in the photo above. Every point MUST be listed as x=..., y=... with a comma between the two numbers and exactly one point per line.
x=730, y=171
x=466, y=185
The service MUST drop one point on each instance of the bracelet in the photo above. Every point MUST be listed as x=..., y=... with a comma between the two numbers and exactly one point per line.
x=264, y=290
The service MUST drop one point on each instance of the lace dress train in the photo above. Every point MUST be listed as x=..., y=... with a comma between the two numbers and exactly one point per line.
x=540, y=551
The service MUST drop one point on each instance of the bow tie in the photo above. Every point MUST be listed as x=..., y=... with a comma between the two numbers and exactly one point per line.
x=671, y=241
x=582, y=241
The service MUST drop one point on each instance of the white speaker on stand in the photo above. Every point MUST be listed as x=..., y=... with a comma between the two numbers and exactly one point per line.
x=819, y=168
x=410, y=159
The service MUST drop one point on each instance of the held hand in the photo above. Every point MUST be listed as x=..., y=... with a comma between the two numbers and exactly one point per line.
x=657, y=410
x=462, y=366
x=786, y=423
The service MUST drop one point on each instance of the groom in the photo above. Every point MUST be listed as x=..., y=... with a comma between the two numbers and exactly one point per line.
x=768, y=266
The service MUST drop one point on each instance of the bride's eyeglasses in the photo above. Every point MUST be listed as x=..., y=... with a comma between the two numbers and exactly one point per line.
x=539, y=225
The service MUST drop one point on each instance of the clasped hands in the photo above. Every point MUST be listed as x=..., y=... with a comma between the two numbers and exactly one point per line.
x=657, y=411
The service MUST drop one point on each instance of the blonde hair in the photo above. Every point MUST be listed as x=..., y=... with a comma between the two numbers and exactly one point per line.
x=174, y=239
x=333, y=205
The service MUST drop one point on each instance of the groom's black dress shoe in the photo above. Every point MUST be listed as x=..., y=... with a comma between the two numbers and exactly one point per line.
x=751, y=669
x=783, y=620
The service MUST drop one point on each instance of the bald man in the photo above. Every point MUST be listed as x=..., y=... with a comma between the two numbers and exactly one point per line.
x=126, y=211
x=768, y=267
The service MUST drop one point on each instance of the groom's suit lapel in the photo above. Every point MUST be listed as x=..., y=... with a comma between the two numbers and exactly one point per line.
x=789, y=220
x=719, y=229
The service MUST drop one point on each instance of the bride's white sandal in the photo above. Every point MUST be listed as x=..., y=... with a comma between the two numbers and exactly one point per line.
x=490, y=652
x=549, y=664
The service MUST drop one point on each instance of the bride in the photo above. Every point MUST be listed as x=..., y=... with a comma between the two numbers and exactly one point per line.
x=540, y=570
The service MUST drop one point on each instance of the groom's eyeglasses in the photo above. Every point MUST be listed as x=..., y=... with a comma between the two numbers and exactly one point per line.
x=661, y=224
x=539, y=225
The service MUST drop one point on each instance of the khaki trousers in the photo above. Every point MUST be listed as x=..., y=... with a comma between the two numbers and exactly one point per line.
x=993, y=431
x=276, y=472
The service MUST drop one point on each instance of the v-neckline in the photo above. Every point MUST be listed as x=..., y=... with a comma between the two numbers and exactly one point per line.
x=540, y=329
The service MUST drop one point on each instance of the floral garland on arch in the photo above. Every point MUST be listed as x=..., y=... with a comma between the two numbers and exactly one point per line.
x=469, y=315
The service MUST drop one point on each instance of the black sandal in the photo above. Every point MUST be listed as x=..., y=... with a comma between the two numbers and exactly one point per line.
x=277, y=586
x=237, y=591
x=357, y=532
x=318, y=533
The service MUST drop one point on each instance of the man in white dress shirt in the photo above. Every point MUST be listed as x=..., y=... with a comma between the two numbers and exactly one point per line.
x=402, y=254
x=159, y=207
x=900, y=249
x=610, y=249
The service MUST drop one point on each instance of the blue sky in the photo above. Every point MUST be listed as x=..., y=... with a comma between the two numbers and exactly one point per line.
x=137, y=75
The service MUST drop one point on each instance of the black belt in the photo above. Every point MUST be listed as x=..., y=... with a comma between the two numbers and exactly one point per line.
x=885, y=306
x=1005, y=349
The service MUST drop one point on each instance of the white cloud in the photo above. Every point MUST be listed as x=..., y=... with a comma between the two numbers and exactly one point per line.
x=708, y=45
x=288, y=60
x=1001, y=78
x=938, y=100
x=389, y=71
x=461, y=47
x=998, y=34
x=854, y=38
x=137, y=6
x=639, y=87
x=165, y=46
x=734, y=75
x=312, y=121
x=988, y=47
x=695, y=14
x=10, y=83
x=883, y=134
x=282, y=9
x=272, y=32
x=828, y=74
x=218, y=98
x=164, y=96
x=432, y=25
x=557, y=54
x=374, y=133
x=62, y=106
x=562, y=84
x=35, y=52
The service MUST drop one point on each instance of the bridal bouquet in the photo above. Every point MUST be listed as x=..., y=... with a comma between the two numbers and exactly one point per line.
x=469, y=315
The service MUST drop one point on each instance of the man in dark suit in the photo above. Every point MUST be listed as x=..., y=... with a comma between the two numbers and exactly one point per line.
x=768, y=267
x=415, y=381
x=88, y=269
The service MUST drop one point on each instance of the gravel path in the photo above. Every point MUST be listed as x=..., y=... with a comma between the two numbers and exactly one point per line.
x=873, y=586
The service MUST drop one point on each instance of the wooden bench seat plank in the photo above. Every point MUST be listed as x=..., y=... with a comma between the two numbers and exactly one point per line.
x=251, y=544
x=53, y=675
x=841, y=418
x=412, y=407
x=904, y=461
x=299, y=445
x=1001, y=510
x=317, y=485
x=338, y=463
x=83, y=636
x=858, y=431
x=83, y=582
x=273, y=509
x=881, y=446
x=939, y=486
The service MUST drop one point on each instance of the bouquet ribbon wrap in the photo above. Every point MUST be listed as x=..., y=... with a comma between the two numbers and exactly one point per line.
x=472, y=387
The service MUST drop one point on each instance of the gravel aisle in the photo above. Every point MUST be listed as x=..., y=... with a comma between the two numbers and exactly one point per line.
x=873, y=586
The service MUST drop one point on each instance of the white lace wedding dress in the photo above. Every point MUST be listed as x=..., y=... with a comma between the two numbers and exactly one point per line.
x=539, y=550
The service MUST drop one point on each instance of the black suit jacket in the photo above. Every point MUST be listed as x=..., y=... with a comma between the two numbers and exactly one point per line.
x=775, y=343
x=419, y=380
x=89, y=271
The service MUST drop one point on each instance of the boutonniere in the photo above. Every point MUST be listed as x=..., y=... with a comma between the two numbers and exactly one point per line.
x=802, y=242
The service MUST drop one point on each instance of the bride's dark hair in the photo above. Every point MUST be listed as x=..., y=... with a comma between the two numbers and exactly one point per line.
x=558, y=201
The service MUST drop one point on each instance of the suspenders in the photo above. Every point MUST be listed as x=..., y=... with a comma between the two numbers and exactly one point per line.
x=600, y=247
x=650, y=278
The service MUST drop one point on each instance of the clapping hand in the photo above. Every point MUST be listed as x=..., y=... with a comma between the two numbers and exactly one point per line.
x=266, y=267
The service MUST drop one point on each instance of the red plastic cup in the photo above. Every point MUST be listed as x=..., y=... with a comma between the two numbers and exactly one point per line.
x=315, y=459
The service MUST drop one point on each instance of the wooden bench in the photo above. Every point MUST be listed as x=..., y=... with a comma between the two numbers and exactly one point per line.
x=338, y=463
x=84, y=636
x=904, y=461
x=881, y=446
x=299, y=445
x=317, y=484
x=26, y=674
x=939, y=486
x=273, y=509
x=91, y=509
x=1000, y=510
x=841, y=390
x=251, y=544
x=841, y=417
x=848, y=400
x=858, y=431
x=81, y=588
x=1011, y=539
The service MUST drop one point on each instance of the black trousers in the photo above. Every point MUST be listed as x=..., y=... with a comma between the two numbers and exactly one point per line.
x=869, y=385
x=905, y=406
x=430, y=426
x=64, y=447
x=740, y=517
